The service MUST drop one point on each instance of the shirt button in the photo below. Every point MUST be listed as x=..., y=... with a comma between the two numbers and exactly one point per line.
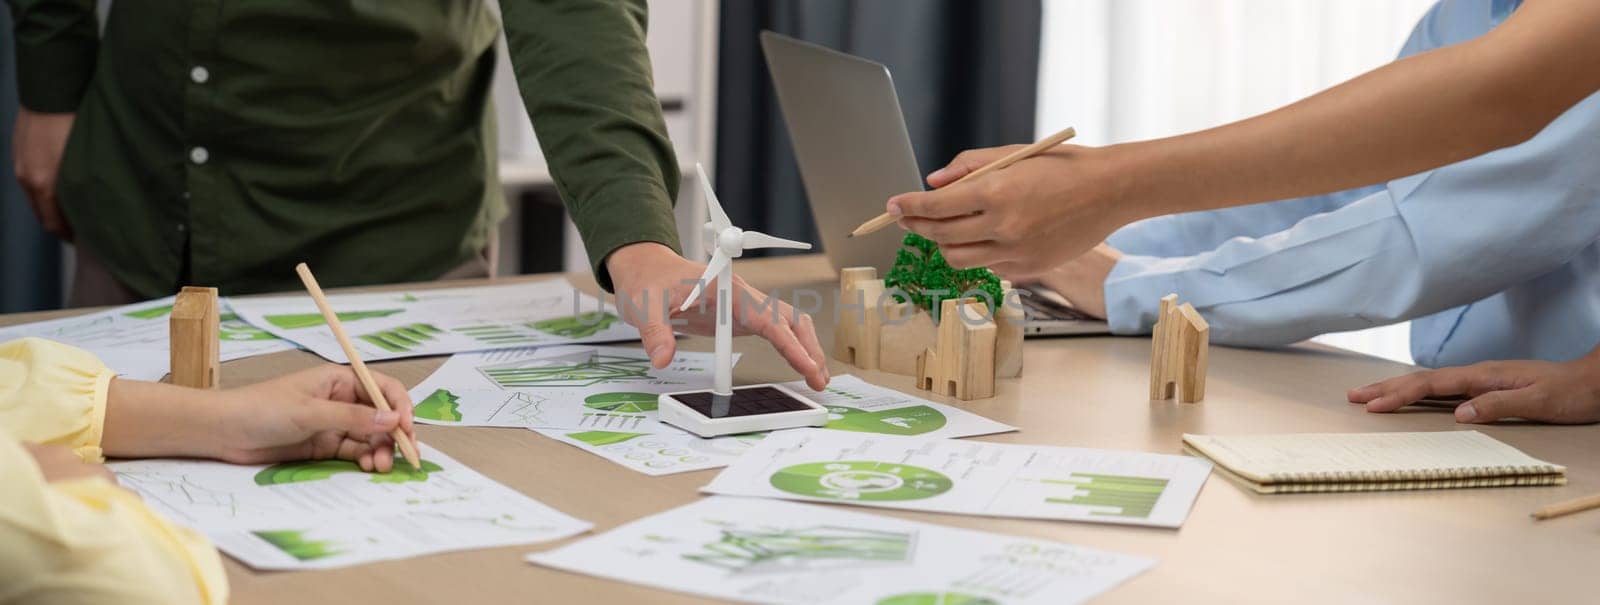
x=199, y=75
x=182, y=228
x=199, y=155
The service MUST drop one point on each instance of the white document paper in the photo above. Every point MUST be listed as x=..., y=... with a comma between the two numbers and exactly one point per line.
x=149, y=365
x=392, y=325
x=968, y=477
x=322, y=514
x=134, y=340
x=853, y=405
x=655, y=454
x=761, y=551
x=860, y=406
x=574, y=387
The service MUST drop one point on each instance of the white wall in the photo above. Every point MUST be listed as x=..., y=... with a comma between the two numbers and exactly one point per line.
x=1126, y=70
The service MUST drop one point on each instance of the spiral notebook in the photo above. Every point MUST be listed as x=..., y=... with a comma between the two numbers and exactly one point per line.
x=1361, y=462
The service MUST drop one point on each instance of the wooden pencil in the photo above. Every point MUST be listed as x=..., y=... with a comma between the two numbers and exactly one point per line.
x=886, y=219
x=408, y=447
x=1566, y=508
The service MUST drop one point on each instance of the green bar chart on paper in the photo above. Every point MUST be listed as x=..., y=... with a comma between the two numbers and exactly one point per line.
x=1132, y=496
x=150, y=313
x=402, y=339
x=580, y=370
x=499, y=334
x=572, y=326
x=296, y=321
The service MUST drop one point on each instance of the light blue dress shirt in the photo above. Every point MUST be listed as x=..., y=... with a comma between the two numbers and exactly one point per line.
x=1495, y=257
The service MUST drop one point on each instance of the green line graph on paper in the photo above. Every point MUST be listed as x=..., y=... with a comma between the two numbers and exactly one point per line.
x=526, y=409
x=402, y=339
x=770, y=549
x=586, y=368
x=1133, y=497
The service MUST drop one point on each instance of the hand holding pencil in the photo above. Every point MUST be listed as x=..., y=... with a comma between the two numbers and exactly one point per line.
x=885, y=219
x=407, y=444
x=1021, y=211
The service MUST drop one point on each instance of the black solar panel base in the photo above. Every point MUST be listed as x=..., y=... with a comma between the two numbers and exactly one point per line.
x=745, y=401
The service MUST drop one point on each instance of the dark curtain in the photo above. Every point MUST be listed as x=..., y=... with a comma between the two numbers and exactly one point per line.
x=966, y=73
x=30, y=259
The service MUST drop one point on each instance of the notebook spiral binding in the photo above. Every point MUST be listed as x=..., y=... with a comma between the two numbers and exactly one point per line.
x=1474, y=472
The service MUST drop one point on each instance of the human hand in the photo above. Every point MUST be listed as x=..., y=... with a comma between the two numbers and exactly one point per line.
x=58, y=463
x=36, y=148
x=314, y=414
x=652, y=281
x=1562, y=393
x=1022, y=220
x=1082, y=280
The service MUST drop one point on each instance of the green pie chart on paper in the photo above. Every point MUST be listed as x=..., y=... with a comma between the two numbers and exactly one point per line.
x=861, y=481
x=912, y=420
x=622, y=402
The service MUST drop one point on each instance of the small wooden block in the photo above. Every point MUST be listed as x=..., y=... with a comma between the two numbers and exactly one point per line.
x=1159, y=351
x=1179, y=347
x=195, y=335
x=1196, y=339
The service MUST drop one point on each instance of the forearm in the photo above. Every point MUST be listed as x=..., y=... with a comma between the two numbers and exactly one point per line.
x=149, y=419
x=1421, y=112
x=585, y=75
x=56, y=43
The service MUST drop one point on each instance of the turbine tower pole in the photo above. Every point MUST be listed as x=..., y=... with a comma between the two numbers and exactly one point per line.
x=724, y=371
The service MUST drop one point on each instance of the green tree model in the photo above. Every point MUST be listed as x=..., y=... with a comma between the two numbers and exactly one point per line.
x=921, y=274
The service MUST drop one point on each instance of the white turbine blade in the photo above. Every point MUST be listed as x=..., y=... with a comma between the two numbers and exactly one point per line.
x=756, y=239
x=718, y=261
x=719, y=219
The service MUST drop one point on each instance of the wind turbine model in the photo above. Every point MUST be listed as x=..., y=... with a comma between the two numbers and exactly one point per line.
x=724, y=410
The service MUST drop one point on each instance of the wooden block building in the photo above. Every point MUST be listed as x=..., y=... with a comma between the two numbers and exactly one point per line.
x=1178, y=351
x=196, y=338
x=959, y=355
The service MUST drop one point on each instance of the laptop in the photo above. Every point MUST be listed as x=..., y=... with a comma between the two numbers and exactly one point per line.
x=854, y=153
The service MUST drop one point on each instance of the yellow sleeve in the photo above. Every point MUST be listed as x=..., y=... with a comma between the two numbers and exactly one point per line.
x=88, y=541
x=55, y=394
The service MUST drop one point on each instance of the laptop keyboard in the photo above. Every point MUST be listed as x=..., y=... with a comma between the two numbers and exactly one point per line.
x=1040, y=308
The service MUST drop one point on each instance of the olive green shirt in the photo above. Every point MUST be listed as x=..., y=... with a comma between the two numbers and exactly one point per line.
x=220, y=142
